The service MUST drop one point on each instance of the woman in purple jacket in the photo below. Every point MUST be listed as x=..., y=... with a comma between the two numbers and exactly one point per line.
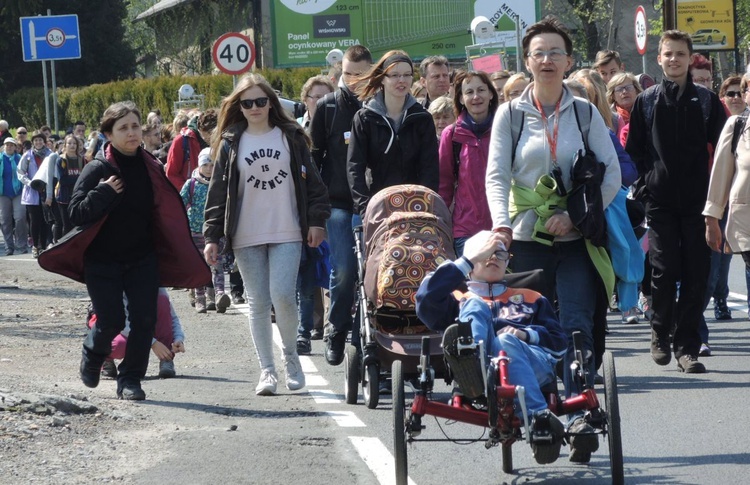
x=464, y=147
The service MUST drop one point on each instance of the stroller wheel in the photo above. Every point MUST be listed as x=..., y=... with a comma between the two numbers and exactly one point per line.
x=370, y=388
x=352, y=376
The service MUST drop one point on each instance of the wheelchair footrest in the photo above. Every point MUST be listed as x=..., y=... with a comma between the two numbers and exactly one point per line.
x=461, y=356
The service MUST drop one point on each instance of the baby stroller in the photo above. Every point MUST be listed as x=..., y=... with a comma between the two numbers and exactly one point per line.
x=406, y=234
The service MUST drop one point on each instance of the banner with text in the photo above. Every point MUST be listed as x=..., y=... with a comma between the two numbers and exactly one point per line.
x=710, y=23
x=304, y=31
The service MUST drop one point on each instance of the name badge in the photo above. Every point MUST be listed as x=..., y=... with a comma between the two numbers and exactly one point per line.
x=347, y=136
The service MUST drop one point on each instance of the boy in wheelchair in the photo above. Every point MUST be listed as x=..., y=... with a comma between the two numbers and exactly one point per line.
x=519, y=321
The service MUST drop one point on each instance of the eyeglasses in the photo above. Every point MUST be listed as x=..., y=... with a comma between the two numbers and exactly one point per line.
x=21, y=132
x=248, y=103
x=400, y=77
x=702, y=80
x=629, y=88
x=501, y=255
x=733, y=94
x=320, y=96
x=553, y=54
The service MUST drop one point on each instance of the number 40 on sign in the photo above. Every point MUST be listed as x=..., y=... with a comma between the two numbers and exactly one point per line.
x=233, y=53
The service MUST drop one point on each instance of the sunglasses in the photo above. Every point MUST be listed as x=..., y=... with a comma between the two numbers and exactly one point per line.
x=501, y=255
x=248, y=103
x=21, y=132
x=733, y=94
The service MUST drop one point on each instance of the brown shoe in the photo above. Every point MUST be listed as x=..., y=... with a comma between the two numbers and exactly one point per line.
x=689, y=365
x=661, y=350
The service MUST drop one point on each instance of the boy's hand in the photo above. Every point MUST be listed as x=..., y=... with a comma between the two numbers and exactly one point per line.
x=178, y=347
x=161, y=351
x=494, y=242
x=211, y=253
x=520, y=334
x=315, y=236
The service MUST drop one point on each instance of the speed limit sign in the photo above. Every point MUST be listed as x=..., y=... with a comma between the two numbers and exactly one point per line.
x=641, y=30
x=233, y=53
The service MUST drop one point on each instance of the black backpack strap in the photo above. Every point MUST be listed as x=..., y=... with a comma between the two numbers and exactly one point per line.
x=330, y=114
x=739, y=127
x=186, y=155
x=583, y=121
x=456, y=152
x=516, y=128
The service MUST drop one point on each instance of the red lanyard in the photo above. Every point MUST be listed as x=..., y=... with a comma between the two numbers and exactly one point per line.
x=551, y=139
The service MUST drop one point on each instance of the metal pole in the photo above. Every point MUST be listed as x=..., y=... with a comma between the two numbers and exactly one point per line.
x=46, y=92
x=643, y=60
x=519, y=67
x=54, y=93
x=670, y=15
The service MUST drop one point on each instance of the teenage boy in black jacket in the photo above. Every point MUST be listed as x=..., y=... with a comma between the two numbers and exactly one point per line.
x=672, y=125
x=330, y=130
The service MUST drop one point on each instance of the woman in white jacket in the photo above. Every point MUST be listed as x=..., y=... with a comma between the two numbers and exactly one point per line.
x=544, y=151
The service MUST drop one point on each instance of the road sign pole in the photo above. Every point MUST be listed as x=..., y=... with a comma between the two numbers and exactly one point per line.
x=54, y=93
x=643, y=60
x=46, y=92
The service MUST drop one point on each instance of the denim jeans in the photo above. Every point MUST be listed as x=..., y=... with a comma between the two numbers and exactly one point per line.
x=343, y=271
x=529, y=365
x=13, y=213
x=106, y=282
x=269, y=281
x=306, y=295
x=570, y=275
x=458, y=245
x=717, y=287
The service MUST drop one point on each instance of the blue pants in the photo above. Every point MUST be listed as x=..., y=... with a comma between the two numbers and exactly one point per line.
x=343, y=272
x=306, y=288
x=529, y=365
x=569, y=275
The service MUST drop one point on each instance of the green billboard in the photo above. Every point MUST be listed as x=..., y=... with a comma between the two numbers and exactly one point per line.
x=304, y=31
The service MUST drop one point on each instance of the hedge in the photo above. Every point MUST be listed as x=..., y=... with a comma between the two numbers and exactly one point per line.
x=25, y=107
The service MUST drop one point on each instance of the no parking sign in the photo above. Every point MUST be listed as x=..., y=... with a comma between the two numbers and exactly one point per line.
x=233, y=53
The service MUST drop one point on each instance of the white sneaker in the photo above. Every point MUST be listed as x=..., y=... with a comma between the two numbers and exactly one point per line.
x=630, y=316
x=295, y=378
x=267, y=383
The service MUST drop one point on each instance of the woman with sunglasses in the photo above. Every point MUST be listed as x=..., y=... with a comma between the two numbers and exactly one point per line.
x=525, y=185
x=731, y=95
x=392, y=135
x=622, y=90
x=267, y=198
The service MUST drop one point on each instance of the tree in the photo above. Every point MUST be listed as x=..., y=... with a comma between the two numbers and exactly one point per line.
x=139, y=35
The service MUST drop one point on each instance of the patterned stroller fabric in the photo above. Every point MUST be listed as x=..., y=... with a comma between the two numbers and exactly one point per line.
x=407, y=234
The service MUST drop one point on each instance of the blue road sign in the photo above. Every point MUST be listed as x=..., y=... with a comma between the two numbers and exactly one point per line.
x=50, y=38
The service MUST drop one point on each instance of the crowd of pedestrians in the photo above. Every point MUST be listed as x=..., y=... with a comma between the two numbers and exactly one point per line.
x=260, y=189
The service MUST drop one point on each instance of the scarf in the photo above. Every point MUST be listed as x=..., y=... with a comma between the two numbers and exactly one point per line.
x=477, y=128
x=624, y=115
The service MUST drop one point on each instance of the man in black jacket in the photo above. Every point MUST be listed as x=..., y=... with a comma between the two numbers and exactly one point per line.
x=330, y=131
x=672, y=125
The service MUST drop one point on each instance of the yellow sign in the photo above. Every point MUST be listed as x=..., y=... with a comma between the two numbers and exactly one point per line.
x=710, y=23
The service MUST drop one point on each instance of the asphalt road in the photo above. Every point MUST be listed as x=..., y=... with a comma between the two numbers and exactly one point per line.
x=208, y=426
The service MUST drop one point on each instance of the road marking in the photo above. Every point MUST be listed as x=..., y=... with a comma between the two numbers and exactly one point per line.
x=325, y=396
x=377, y=457
x=346, y=419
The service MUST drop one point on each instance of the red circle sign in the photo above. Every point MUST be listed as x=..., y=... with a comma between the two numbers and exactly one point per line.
x=641, y=30
x=233, y=53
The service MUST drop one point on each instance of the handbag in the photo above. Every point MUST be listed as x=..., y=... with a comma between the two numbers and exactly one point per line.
x=585, y=205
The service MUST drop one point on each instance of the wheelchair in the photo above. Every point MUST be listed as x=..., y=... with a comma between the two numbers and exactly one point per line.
x=495, y=410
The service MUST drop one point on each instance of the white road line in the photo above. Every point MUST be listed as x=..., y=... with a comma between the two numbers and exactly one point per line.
x=346, y=419
x=377, y=457
x=315, y=380
x=325, y=396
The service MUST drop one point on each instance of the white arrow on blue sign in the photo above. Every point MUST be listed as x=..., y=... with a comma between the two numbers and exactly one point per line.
x=50, y=38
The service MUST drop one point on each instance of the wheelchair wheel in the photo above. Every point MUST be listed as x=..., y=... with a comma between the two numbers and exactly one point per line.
x=612, y=406
x=352, y=375
x=399, y=424
x=370, y=389
x=507, y=457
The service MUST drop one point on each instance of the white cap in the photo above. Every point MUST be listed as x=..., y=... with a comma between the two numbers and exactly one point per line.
x=204, y=156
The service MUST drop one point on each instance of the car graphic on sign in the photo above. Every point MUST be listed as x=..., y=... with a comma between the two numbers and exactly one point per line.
x=709, y=36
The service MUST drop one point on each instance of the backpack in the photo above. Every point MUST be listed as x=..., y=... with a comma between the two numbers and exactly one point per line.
x=407, y=232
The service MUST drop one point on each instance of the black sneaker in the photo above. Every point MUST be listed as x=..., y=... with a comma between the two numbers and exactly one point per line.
x=689, y=365
x=237, y=299
x=303, y=346
x=109, y=369
x=90, y=370
x=661, y=350
x=721, y=310
x=583, y=440
x=463, y=362
x=131, y=392
x=547, y=434
x=335, y=346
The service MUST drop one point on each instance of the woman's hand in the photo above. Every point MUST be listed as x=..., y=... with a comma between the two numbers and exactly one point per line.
x=116, y=183
x=48, y=202
x=559, y=225
x=713, y=234
x=161, y=351
x=315, y=236
x=178, y=347
x=211, y=253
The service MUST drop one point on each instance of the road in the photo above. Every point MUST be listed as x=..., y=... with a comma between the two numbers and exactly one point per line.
x=207, y=426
